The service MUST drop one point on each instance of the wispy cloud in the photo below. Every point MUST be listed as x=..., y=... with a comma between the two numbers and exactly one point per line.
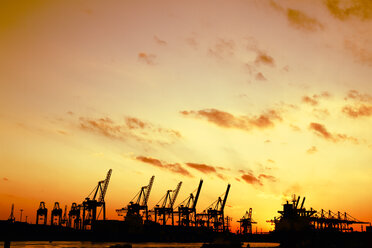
x=264, y=59
x=361, y=105
x=295, y=128
x=175, y=167
x=314, y=99
x=267, y=177
x=209, y=169
x=147, y=58
x=251, y=179
x=344, y=9
x=309, y=100
x=322, y=132
x=222, y=49
x=361, y=51
x=5, y=179
x=192, y=42
x=301, y=20
x=227, y=120
x=159, y=41
x=356, y=95
x=312, y=150
x=358, y=111
x=298, y=19
x=260, y=77
x=131, y=128
x=202, y=167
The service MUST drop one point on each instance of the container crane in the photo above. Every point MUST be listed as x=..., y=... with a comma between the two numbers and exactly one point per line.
x=137, y=207
x=214, y=217
x=187, y=208
x=11, y=217
x=64, y=221
x=41, y=213
x=56, y=215
x=90, y=205
x=245, y=223
x=165, y=210
x=74, y=216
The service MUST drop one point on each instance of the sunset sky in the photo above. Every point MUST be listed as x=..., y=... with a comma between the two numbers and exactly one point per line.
x=273, y=97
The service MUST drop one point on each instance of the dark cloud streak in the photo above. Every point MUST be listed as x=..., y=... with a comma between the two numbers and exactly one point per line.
x=227, y=120
x=175, y=168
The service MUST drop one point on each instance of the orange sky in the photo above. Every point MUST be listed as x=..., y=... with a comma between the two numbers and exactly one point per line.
x=273, y=97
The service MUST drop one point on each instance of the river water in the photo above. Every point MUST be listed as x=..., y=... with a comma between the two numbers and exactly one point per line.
x=64, y=244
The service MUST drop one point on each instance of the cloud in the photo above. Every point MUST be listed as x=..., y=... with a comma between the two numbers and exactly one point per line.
x=222, y=168
x=314, y=99
x=355, y=95
x=321, y=113
x=62, y=132
x=175, y=168
x=134, y=123
x=227, y=120
x=361, y=106
x=208, y=169
x=300, y=20
x=295, y=128
x=312, y=150
x=260, y=76
x=147, y=58
x=132, y=128
x=159, y=41
x=344, y=9
x=221, y=176
x=192, y=42
x=309, y=100
x=358, y=111
x=293, y=189
x=263, y=58
x=5, y=179
x=362, y=52
x=202, y=167
x=267, y=177
x=250, y=179
x=222, y=49
x=321, y=131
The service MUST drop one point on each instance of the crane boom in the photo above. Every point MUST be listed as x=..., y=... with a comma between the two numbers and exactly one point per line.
x=175, y=193
x=197, y=195
x=225, y=198
x=298, y=200
x=104, y=190
x=303, y=201
x=148, y=190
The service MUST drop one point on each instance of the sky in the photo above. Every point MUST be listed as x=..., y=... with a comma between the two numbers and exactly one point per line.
x=273, y=97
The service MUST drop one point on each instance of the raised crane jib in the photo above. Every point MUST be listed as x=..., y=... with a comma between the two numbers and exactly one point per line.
x=197, y=195
x=225, y=198
x=148, y=190
x=175, y=193
x=298, y=200
x=105, y=185
x=303, y=202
